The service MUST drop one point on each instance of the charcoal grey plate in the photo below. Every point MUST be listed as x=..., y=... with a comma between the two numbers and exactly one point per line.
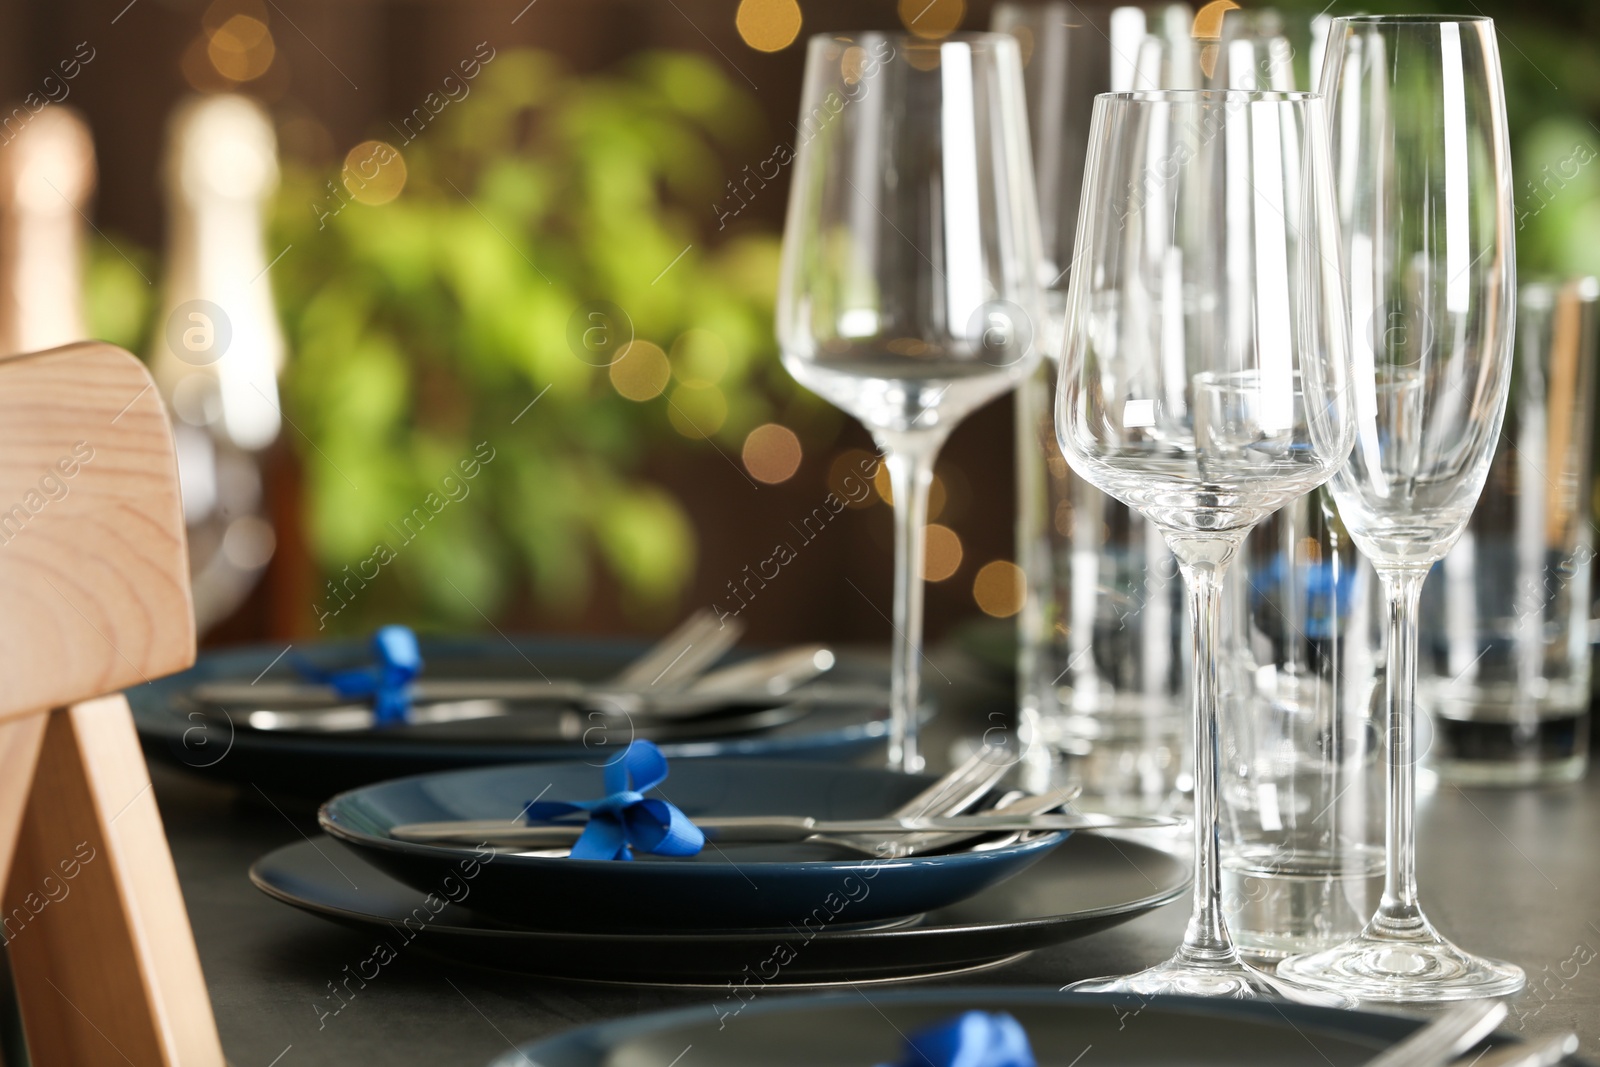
x=1086, y=885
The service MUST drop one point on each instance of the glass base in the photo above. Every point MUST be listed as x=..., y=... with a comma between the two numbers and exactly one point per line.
x=1190, y=978
x=1418, y=966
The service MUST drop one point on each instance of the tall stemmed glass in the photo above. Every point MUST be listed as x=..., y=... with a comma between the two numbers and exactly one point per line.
x=1424, y=183
x=1204, y=378
x=910, y=256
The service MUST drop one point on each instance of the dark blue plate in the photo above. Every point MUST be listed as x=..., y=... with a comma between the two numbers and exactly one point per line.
x=317, y=766
x=724, y=887
x=860, y=1029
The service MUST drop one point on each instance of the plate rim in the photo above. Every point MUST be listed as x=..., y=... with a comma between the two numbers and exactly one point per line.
x=333, y=913
x=604, y=1036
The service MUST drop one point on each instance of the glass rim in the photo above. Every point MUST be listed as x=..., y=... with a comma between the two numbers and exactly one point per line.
x=1189, y=96
x=846, y=38
x=1411, y=20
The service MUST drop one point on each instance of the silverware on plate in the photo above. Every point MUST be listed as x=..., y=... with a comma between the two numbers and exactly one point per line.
x=1447, y=1036
x=769, y=829
x=759, y=682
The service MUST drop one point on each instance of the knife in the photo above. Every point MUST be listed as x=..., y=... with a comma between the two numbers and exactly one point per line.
x=772, y=828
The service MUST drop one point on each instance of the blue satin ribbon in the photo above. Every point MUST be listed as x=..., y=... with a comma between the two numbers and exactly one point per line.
x=387, y=682
x=971, y=1039
x=624, y=819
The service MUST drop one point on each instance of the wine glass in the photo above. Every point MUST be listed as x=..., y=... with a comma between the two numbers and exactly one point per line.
x=1420, y=148
x=1204, y=379
x=909, y=287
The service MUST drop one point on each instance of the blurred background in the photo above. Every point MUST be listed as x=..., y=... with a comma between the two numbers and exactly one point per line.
x=464, y=308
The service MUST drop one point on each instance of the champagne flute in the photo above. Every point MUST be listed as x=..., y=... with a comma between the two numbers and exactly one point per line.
x=1424, y=184
x=909, y=287
x=1204, y=379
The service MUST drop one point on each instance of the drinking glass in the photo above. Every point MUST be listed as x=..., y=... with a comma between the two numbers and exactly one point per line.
x=1424, y=184
x=909, y=287
x=1204, y=379
x=1100, y=675
x=1505, y=617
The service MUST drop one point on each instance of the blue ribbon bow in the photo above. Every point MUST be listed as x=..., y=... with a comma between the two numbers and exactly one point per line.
x=971, y=1039
x=624, y=819
x=387, y=682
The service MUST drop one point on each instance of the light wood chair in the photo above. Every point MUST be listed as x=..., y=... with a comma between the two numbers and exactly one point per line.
x=94, y=598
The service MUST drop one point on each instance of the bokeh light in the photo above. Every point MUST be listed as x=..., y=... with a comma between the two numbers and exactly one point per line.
x=772, y=453
x=768, y=25
x=640, y=372
x=937, y=493
x=697, y=411
x=932, y=19
x=850, y=477
x=241, y=49
x=852, y=63
x=374, y=172
x=699, y=357
x=943, y=548
x=999, y=588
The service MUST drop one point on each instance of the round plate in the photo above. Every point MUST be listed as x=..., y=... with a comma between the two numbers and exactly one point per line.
x=318, y=765
x=1063, y=1028
x=1085, y=886
x=724, y=886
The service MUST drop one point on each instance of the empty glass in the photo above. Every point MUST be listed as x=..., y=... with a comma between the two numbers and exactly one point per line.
x=1302, y=802
x=909, y=293
x=1100, y=671
x=1204, y=379
x=1424, y=181
x=1505, y=616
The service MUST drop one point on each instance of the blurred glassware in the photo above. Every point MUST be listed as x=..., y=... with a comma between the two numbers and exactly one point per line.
x=217, y=348
x=47, y=174
x=1505, y=618
x=1100, y=634
x=909, y=293
x=1302, y=826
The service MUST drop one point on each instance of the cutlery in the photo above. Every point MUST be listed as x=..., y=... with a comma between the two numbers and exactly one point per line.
x=1540, y=1052
x=681, y=656
x=774, y=828
x=1446, y=1037
x=757, y=682
x=1014, y=803
x=668, y=666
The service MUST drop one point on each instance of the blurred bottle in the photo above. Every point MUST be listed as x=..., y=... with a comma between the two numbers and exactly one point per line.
x=1505, y=616
x=217, y=348
x=46, y=178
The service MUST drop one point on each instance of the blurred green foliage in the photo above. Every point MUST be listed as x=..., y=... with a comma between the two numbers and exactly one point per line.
x=1550, y=62
x=421, y=327
x=426, y=325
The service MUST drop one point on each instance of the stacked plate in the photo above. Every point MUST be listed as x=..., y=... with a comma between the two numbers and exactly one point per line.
x=248, y=739
x=797, y=913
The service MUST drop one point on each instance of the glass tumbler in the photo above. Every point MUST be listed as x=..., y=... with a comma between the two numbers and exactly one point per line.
x=1505, y=617
x=1101, y=633
x=1302, y=796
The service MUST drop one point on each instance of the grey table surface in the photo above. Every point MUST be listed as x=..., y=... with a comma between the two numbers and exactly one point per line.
x=1512, y=874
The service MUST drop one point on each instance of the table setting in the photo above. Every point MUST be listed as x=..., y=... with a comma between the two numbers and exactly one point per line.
x=1286, y=761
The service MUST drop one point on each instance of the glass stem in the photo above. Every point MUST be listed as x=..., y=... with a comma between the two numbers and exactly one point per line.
x=1399, y=912
x=909, y=457
x=1204, y=564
